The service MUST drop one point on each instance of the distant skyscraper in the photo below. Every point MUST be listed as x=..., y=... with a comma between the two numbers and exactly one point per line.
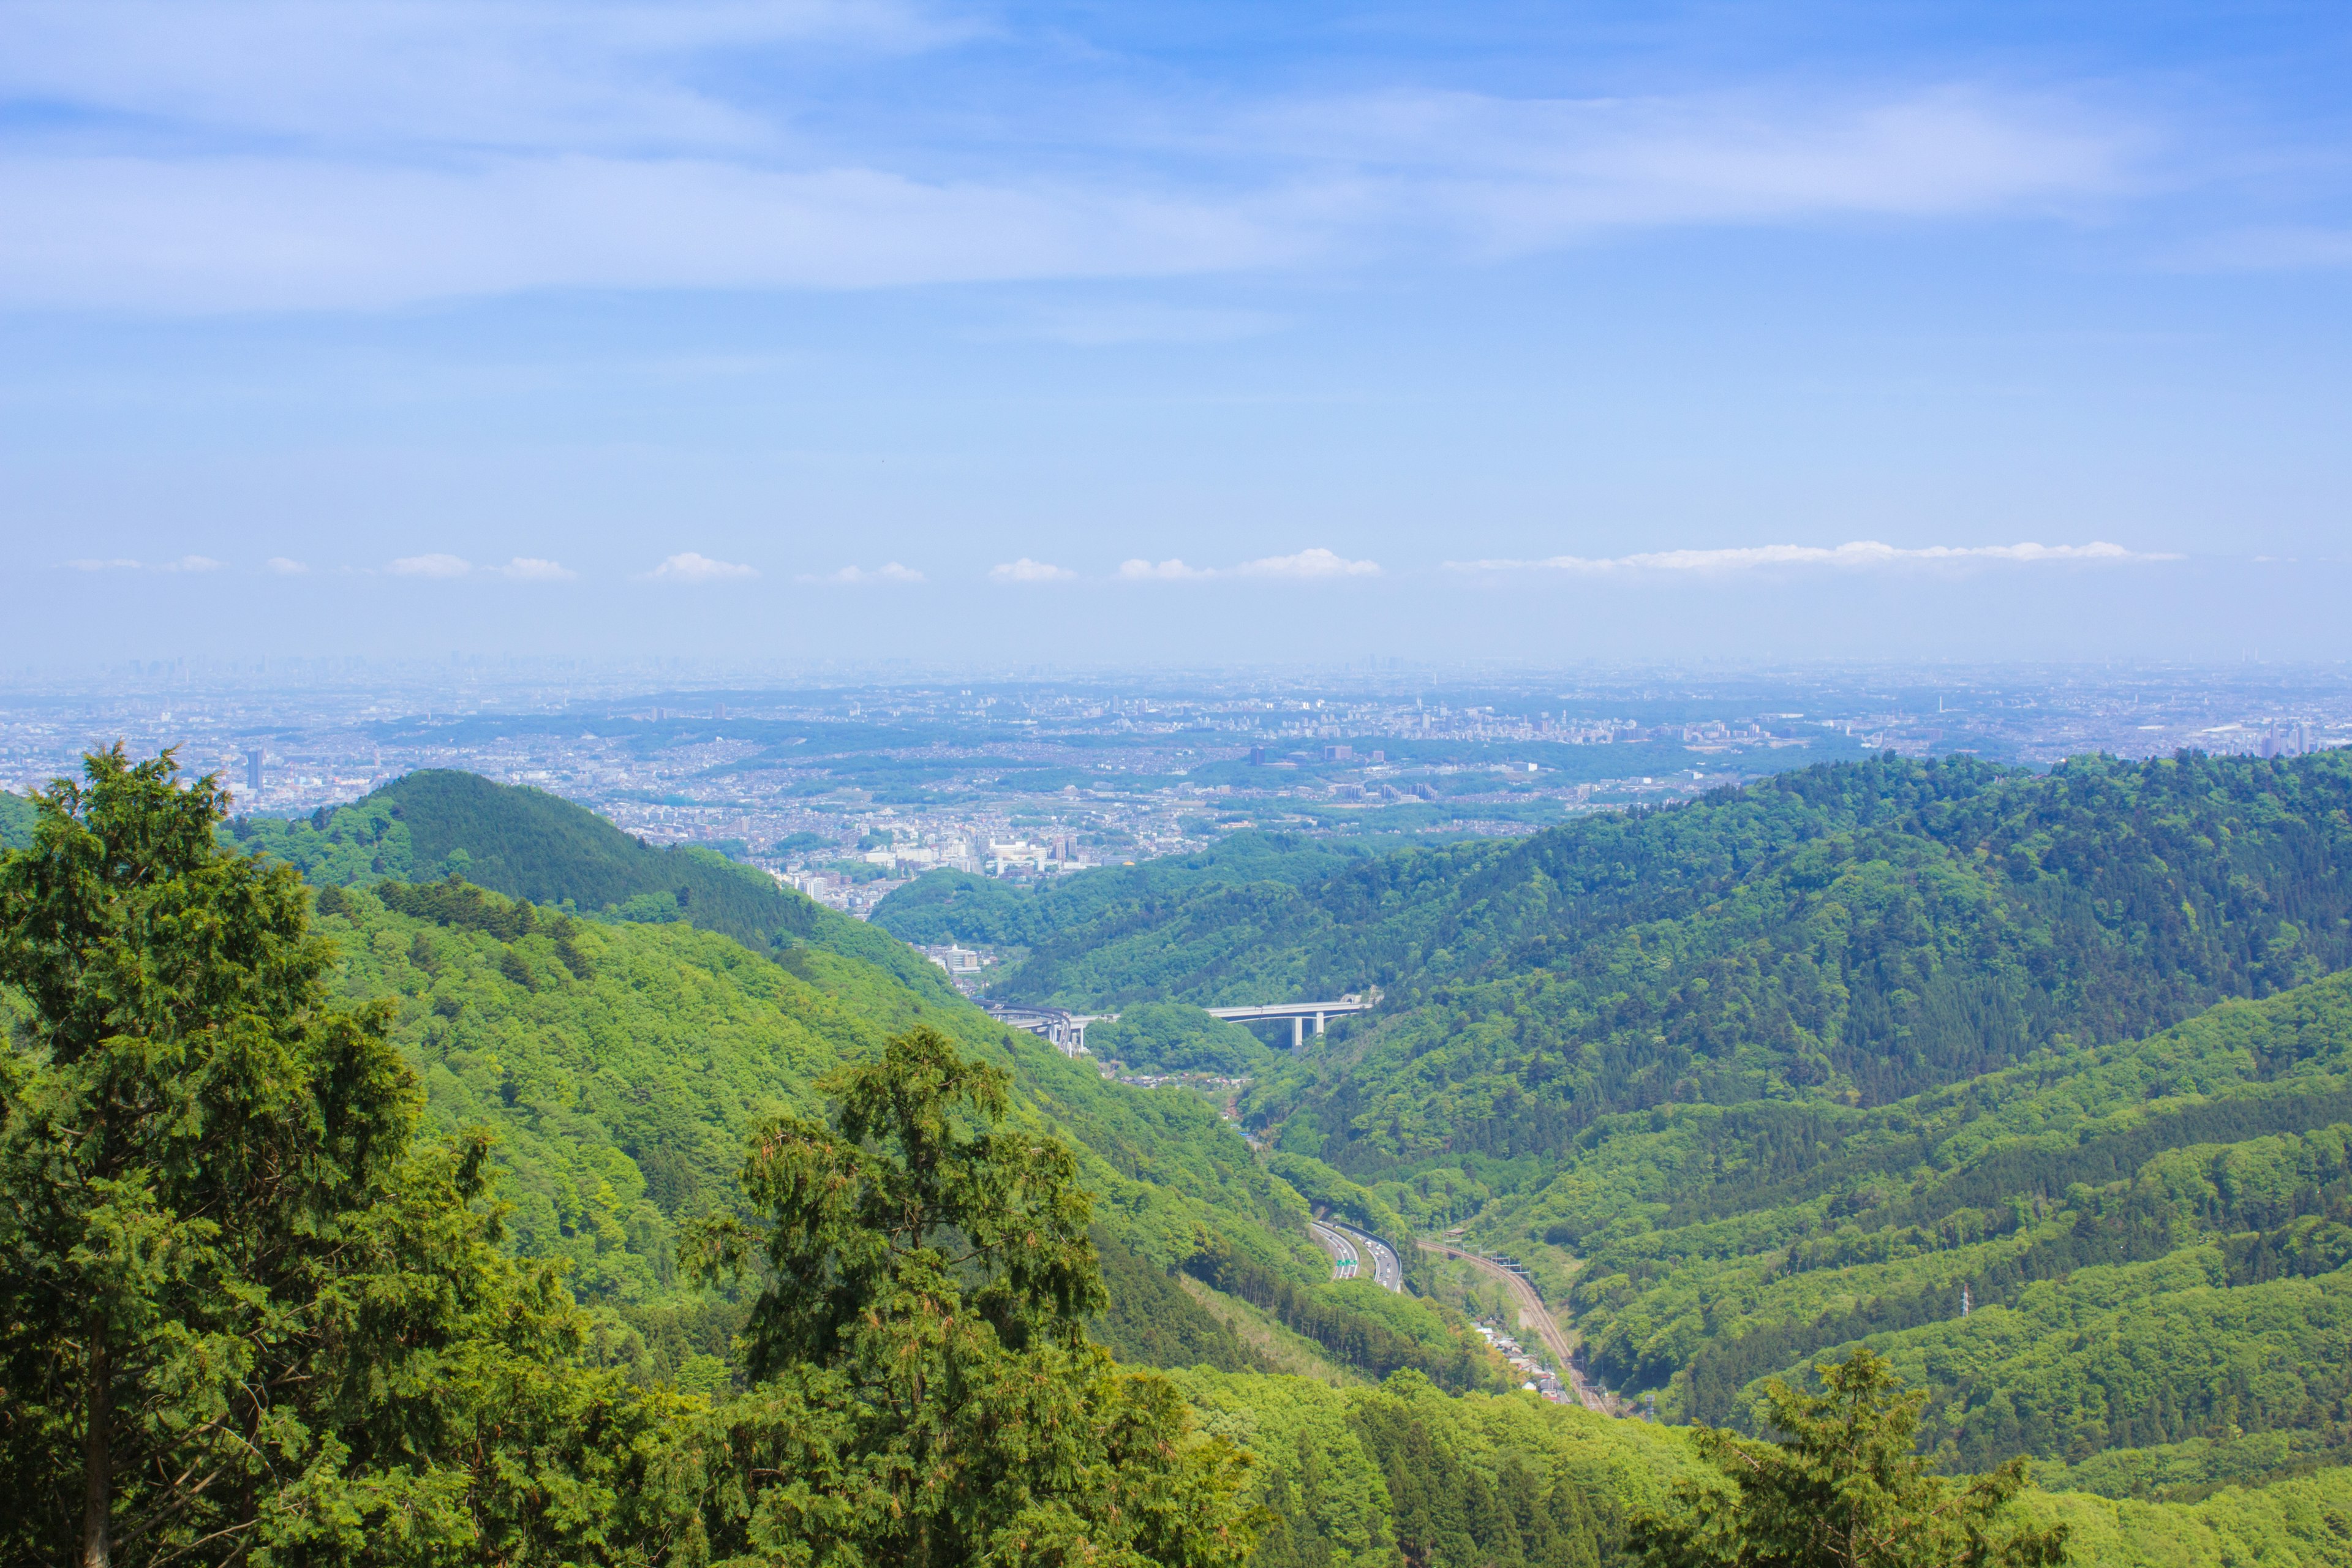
x=253, y=771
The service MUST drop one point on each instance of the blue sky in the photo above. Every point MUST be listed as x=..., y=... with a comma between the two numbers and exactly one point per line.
x=1147, y=333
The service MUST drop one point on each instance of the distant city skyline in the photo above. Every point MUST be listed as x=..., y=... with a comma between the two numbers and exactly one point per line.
x=1162, y=335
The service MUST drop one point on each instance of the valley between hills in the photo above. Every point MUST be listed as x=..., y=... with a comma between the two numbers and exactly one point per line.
x=2038, y=1086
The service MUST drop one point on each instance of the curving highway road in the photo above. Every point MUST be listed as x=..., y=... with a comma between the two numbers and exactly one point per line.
x=1386, y=1272
x=1344, y=1261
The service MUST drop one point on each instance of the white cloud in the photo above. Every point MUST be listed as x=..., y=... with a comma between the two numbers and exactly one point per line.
x=1027, y=571
x=691, y=568
x=1517, y=174
x=201, y=235
x=1163, y=572
x=532, y=569
x=437, y=566
x=517, y=73
x=1308, y=563
x=285, y=566
x=117, y=563
x=890, y=572
x=191, y=563
x=252, y=154
x=1856, y=553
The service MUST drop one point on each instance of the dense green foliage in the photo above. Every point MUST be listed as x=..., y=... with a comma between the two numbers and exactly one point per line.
x=241, y=1316
x=537, y=847
x=1074, y=917
x=926, y=1395
x=1845, y=1488
x=623, y=1061
x=1794, y=1067
x=1176, y=1038
x=1403, y=1472
x=2147, y=1204
x=2152, y=1236
x=1859, y=933
x=1357, y=1321
x=17, y=817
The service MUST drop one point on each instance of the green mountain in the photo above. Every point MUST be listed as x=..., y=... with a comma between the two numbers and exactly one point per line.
x=16, y=821
x=1793, y=1068
x=622, y=1053
x=531, y=844
x=1851, y=933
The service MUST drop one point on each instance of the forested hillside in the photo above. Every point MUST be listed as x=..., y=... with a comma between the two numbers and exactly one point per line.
x=531, y=844
x=623, y=1057
x=2151, y=1238
x=16, y=821
x=1855, y=933
x=621, y=1065
x=2121, y=1250
x=1806, y=1064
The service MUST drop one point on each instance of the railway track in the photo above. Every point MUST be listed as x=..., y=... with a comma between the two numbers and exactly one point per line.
x=1548, y=1328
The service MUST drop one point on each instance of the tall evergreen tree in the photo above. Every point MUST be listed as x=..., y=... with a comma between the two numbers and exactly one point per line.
x=241, y=1320
x=1846, y=1491
x=925, y=1395
x=187, y=1126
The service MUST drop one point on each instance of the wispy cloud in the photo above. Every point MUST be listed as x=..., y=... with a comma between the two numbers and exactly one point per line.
x=692, y=568
x=434, y=566
x=2286, y=249
x=1855, y=554
x=1308, y=564
x=890, y=572
x=532, y=569
x=518, y=74
x=1517, y=174
x=91, y=563
x=1161, y=572
x=1027, y=571
x=252, y=156
x=285, y=566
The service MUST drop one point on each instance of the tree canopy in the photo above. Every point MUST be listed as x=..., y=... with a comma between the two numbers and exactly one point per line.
x=927, y=1396
x=1847, y=1490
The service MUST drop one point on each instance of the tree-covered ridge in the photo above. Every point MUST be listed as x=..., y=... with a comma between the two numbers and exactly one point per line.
x=17, y=818
x=621, y=1063
x=626, y=1089
x=2150, y=1236
x=535, y=847
x=1852, y=933
x=1859, y=933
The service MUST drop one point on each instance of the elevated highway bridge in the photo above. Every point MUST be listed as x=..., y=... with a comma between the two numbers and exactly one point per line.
x=1297, y=1013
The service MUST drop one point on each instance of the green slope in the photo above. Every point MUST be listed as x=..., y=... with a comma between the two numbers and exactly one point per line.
x=1077, y=914
x=528, y=844
x=1756, y=1079
x=623, y=1057
x=1857, y=933
x=16, y=821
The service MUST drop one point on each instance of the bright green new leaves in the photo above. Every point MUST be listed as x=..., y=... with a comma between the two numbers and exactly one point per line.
x=1846, y=1491
x=927, y=1397
x=184, y=1143
x=241, y=1319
